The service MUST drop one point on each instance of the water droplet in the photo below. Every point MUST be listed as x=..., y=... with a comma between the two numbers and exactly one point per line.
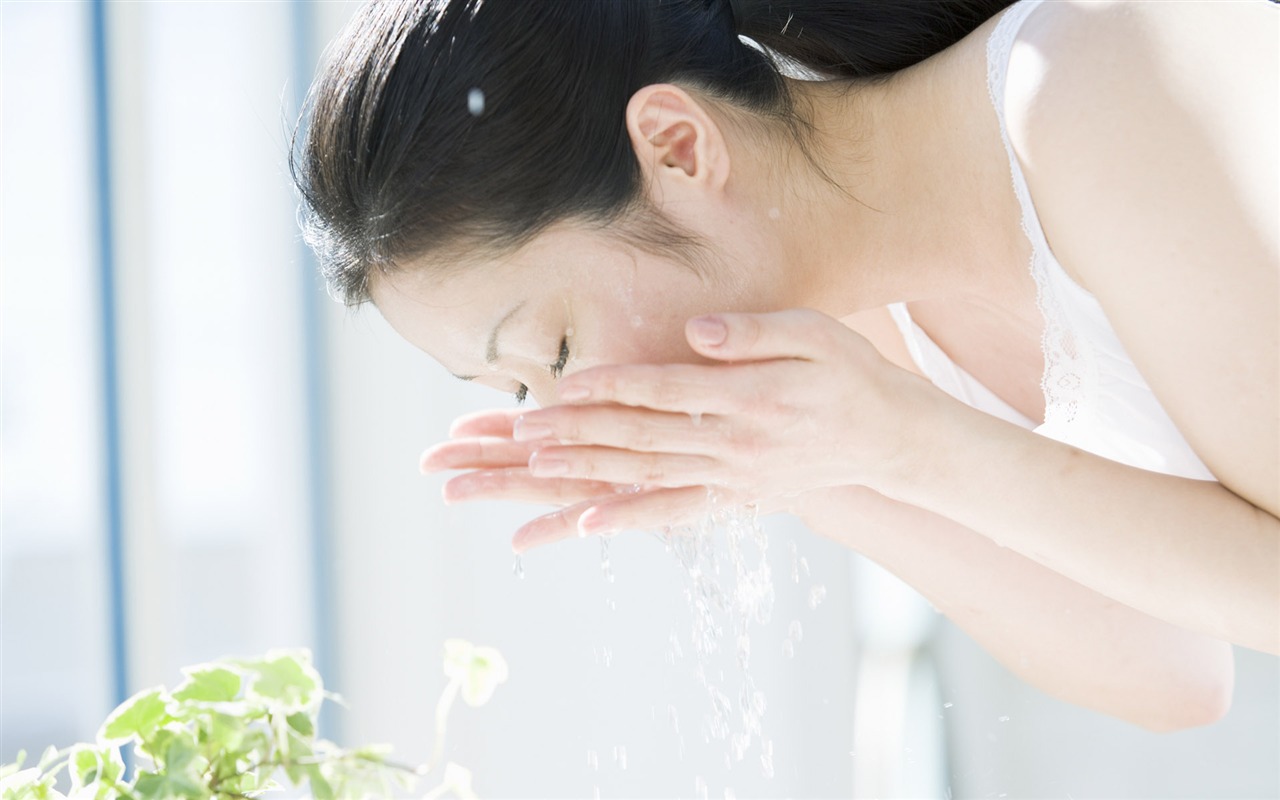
x=700, y=788
x=804, y=566
x=775, y=213
x=517, y=568
x=729, y=795
x=817, y=594
x=766, y=758
x=948, y=705
x=637, y=321
x=622, y=758
x=795, y=631
x=696, y=419
x=673, y=718
x=593, y=760
x=606, y=656
x=475, y=102
x=789, y=649
x=606, y=566
x=1004, y=719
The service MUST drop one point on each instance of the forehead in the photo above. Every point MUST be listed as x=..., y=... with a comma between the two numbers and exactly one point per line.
x=443, y=307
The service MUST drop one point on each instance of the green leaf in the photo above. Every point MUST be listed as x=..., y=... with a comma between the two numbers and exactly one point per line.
x=10, y=769
x=301, y=722
x=209, y=683
x=184, y=767
x=320, y=788
x=479, y=670
x=90, y=766
x=49, y=756
x=138, y=716
x=286, y=677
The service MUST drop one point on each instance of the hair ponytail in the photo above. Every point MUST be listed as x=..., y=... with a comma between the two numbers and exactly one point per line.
x=866, y=39
x=443, y=126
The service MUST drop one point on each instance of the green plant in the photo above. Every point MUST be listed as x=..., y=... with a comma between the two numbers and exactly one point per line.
x=239, y=728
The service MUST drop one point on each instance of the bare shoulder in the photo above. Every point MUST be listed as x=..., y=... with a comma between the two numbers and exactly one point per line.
x=877, y=326
x=1148, y=132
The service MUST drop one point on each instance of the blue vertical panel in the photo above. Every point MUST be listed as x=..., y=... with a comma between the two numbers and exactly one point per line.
x=110, y=383
x=317, y=411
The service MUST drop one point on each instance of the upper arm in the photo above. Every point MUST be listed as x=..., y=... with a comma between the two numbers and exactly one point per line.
x=1148, y=134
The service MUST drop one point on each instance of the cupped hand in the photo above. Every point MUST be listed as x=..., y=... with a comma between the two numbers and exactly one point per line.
x=497, y=468
x=796, y=402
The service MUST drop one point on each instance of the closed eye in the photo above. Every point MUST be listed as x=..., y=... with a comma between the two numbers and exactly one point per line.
x=557, y=369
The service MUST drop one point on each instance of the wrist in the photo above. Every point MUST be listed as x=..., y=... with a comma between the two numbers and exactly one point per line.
x=925, y=446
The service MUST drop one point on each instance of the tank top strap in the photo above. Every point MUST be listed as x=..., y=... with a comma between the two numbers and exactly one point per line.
x=1070, y=377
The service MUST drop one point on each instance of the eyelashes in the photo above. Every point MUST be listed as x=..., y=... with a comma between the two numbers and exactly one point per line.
x=557, y=369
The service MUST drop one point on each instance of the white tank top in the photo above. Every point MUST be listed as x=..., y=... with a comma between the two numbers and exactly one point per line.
x=1095, y=398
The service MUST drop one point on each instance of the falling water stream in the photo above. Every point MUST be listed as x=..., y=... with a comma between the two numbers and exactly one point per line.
x=729, y=585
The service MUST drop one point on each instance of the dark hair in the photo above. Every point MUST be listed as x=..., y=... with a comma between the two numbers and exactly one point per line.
x=439, y=126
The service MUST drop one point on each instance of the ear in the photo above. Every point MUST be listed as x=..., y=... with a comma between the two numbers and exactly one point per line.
x=678, y=144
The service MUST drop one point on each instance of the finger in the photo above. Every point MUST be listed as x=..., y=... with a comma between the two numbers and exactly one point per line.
x=624, y=427
x=796, y=333
x=517, y=485
x=655, y=509
x=481, y=453
x=684, y=388
x=623, y=466
x=652, y=509
x=491, y=422
x=549, y=528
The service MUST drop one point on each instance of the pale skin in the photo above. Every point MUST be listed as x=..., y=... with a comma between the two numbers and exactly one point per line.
x=1105, y=585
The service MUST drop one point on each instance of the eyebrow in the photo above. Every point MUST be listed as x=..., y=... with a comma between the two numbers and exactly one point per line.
x=491, y=348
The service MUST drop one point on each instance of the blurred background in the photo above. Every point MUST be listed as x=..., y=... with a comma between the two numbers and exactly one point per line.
x=203, y=456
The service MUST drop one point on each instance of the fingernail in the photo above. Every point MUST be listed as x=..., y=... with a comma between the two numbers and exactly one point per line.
x=592, y=522
x=709, y=331
x=530, y=431
x=548, y=467
x=571, y=394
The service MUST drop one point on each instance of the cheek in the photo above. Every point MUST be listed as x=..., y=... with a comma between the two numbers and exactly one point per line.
x=639, y=335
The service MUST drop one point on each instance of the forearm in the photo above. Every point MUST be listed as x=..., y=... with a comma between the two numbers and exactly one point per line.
x=1188, y=552
x=1052, y=632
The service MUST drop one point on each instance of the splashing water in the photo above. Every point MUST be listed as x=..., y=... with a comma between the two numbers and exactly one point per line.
x=816, y=595
x=593, y=760
x=727, y=608
x=606, y=565
x=517, y=568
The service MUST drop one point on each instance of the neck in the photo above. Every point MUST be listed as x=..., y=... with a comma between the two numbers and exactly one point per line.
x=922, y=208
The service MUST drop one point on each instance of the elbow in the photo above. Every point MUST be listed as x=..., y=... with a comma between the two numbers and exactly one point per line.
x=1202, y=698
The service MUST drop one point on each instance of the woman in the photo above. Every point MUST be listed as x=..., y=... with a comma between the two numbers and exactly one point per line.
x=814, y=295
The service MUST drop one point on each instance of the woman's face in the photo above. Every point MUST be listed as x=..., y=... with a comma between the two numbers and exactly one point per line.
x=512, y=321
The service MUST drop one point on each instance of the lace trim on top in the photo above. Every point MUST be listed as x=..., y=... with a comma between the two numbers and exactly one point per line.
x=1070, y=379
